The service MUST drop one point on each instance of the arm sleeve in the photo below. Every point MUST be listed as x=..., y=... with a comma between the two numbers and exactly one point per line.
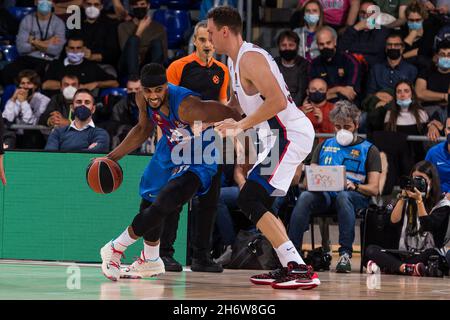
x=59, y=31
x=373, y=162
x=23, y=46
x=51, y=106
x=174, y=72
x=10, y=111
x=224, y=90
x=434, y=221
x=353, y=76
x=53, y=141
x=102, y=139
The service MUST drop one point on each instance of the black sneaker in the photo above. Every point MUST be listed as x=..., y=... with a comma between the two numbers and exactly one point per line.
x=205, y=265
x=171, y=264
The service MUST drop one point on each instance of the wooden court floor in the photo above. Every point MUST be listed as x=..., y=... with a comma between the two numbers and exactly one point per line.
x=31, y=280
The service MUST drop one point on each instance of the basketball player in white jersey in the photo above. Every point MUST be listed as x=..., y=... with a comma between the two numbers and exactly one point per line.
x=261, y=93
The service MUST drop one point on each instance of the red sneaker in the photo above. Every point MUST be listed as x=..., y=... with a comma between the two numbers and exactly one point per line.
x=268, y=278
x=297, y=277
x=417, y=270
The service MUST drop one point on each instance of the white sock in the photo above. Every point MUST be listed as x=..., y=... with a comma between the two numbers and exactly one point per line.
x=123, y=241
x=151, y=252
x=287, y=253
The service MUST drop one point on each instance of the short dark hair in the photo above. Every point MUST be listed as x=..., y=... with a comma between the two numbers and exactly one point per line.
x=289, y=34
x=84, y=90
x=76, y=36
x=444, y=44
x=134, y=2
x=395, y=35
x=133, y=78
x=31, y=75
x=70, y=76
x=225, y=16
x=153, y=74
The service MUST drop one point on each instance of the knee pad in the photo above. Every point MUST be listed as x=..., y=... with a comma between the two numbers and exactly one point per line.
x=254, y=201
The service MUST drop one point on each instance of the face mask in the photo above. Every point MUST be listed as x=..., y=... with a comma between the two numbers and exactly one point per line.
x=139, y=13
x=44, y=7
x=288, y=55
x=92, y=12
x=317, y=96
x=69, y=92
x=82, y=112
x=311, y=19
x=404, y=104
x=30, y=92
x=327, y=53
x=75, y=57
x=344, y=137
x=415, y=25
x=393, y=54
x=444, y=63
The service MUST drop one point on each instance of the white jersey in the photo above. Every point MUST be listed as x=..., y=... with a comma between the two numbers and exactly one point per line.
x=295, y=131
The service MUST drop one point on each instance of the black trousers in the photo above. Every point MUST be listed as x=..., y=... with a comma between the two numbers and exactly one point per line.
x=201, y=224
x=390, y=263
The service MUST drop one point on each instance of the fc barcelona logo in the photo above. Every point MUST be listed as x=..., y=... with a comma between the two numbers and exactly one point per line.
x=355, y=153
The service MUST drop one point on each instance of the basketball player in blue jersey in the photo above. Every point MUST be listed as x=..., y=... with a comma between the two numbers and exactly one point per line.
x=286, y=136
x=169, y=181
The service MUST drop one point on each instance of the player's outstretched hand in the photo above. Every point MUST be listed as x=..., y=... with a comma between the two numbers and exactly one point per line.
x=228, y=128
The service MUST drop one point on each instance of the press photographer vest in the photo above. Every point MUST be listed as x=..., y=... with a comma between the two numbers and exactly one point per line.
x=353, y=157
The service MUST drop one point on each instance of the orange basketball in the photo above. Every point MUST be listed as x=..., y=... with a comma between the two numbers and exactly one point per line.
x=104, y=175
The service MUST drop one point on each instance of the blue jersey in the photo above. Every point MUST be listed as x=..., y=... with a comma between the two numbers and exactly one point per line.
x=440, y=157
x=178, y=150
x=352, y=157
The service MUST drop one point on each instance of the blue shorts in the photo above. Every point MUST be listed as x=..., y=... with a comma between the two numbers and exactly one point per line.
x=161, y=170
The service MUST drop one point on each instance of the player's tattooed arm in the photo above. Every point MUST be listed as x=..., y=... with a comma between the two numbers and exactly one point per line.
x=137, y=135
x=193, y=109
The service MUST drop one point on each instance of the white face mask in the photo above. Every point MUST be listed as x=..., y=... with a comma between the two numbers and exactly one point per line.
x=344, y=137
x=92, y=12
x=69, y=92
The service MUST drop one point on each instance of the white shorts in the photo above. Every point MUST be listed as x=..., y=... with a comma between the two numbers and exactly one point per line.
x=282, y=154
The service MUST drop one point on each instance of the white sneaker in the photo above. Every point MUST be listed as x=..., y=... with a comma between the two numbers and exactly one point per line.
x=142, y=268
x=111, y=261
x=372, y=267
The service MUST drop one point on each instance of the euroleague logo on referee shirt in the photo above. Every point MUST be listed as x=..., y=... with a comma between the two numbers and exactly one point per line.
x=215, y=79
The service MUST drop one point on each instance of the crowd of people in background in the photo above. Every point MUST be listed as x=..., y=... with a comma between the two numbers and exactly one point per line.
x=350, y=73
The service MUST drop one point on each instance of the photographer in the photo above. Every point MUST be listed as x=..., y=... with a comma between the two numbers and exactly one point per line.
x=419, y=219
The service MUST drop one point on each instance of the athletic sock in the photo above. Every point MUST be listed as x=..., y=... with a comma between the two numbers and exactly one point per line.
x=123, y=241
x=287, y=253
x=151, y=252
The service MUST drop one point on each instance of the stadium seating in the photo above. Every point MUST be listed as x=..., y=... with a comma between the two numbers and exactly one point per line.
x=177, y=23
x=20, y=12
x=113, y=91
x=8, y=92
x=9, y=53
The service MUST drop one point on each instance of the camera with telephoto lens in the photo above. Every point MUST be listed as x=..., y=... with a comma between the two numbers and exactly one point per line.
x=409, y=183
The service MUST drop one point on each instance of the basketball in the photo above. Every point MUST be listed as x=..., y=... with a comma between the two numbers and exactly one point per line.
x=104, y=175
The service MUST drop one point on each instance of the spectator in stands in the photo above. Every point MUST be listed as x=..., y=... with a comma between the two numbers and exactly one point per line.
x=58, y=109
x=81, y=134
x=386, y=74
x=317, y=108
x=422, y=229
x=24, y=108
x=207, y=5
x=99, y=35
x=339, y=70
x=364, y=39
x=8, y=24
x=406, y=115
x=338, y=14
x=141, y=40
x=61, y=7
x=395, y=8
x=363, y=167
x=439, y=155
x=125, y=113
x=432, y=88
x=312, y=14
x=89, y=74
x=418, y=34
x=202, y=73
x=293, y=67
x=40, y=40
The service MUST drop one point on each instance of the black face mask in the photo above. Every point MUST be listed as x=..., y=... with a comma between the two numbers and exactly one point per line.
x=82, y=112
x=327, y=53
x=139, y=13
x=393, y=54
x=317, y=96
x=288, y=55
x=30, y=92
